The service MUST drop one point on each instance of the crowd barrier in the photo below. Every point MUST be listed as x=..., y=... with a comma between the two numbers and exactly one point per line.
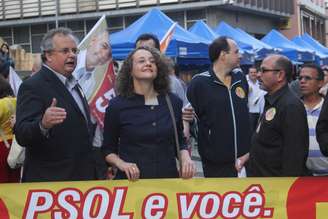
x=293, y=198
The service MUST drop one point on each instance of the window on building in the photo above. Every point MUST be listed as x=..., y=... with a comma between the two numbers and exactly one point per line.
x=9, y=40
x=89, y=24
x=61, y=24
x=5, y=34
x=26, y=47
x=194, y=15
x=36, y=43
x=289, y=6
x=22, y=37
x=51, y=26
x=37, y=33
x=177, y=17
x=39, y=29
x=266, y=4
x=272, y=4
x=130, y=19
x=76, y=25
x=115, y=23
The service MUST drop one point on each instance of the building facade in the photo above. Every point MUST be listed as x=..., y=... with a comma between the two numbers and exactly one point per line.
x=309, y=17
x=24, y=22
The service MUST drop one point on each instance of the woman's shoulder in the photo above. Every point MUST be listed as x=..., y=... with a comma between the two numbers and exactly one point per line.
x=7, y=101
x=119, y=102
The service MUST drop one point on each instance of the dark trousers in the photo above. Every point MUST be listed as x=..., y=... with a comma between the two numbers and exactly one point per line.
x=219, y=169
x=253, y=119
x=101, y=165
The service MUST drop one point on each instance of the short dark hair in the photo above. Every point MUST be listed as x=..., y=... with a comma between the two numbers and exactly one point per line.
x=5, y=88
x=320, y=74
x=148, y=36
x=218, y=45
x=4, y=45
x=124, y=81
x=252, y=66
x=285, y=64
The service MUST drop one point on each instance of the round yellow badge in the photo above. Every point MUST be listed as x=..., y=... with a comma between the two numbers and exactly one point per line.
x=240, y=92
x=270, y=113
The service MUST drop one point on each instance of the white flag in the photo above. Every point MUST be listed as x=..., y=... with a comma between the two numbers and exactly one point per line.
x=14, y=80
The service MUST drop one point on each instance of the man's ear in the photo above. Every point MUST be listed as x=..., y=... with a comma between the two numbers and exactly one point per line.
x=320, y=83
x=48, y=56
x=222, y=54
x=282, y=76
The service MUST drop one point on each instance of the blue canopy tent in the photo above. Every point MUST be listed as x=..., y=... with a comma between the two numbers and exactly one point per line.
x=261, y=49
x=288, y=48
x=318, y=46
x=185, y=46
x=224, y=29
x=320, y=58
x=200, y=28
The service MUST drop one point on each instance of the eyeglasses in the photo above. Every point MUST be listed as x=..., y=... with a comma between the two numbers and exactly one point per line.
x=306, y=78
x=263, y=70
x=66, y=51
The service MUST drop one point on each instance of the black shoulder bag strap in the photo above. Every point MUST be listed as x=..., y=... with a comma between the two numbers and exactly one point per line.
x=169, y=104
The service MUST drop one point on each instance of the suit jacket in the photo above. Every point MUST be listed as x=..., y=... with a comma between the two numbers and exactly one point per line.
x=66, y=153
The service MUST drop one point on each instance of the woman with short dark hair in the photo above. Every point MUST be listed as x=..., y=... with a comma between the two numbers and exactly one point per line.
x=139, y=134
x=5, y=53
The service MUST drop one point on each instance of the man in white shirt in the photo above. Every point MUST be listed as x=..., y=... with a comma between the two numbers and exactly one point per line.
x=255, y=97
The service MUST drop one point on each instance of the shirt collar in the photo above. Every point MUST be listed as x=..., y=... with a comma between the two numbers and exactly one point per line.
x=217, y=80
x=69, y=82
x=318, y=106
x=276, y=95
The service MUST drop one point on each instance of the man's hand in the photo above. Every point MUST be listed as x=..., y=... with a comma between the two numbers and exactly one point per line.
x=188, y=114
x=240, y=162
x=53, y=115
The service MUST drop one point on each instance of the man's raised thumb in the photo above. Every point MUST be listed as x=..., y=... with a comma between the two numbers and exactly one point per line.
x=54, y=102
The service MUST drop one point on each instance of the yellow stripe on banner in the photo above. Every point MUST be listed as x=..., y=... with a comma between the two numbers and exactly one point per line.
x=321, y=210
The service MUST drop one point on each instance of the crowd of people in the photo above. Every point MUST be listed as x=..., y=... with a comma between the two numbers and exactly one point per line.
x=257, y=124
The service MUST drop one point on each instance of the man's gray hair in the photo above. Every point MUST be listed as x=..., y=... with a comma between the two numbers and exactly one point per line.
x=47, y=40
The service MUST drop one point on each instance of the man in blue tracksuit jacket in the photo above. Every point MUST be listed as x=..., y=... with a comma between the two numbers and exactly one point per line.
x=219, y=98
